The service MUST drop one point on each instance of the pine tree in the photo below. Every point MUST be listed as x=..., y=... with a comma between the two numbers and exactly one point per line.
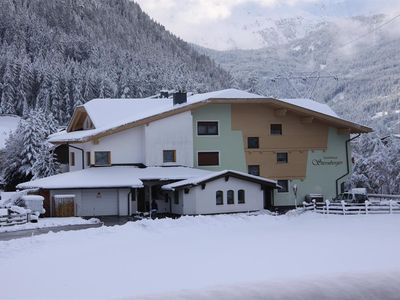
x=8, y=97
x=46, y=164
x=12, y=159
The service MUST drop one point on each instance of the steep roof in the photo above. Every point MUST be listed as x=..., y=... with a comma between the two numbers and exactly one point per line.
x=112, y=177
x=113, y=115
x=215, y=175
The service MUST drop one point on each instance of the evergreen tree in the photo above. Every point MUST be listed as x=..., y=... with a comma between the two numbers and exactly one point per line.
x=46, y=164
x=8, y=97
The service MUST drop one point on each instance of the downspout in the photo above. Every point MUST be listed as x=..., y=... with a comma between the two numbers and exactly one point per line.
x=347, y=162
x=83, y=154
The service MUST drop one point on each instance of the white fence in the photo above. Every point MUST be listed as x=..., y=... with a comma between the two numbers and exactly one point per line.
x=343, y=208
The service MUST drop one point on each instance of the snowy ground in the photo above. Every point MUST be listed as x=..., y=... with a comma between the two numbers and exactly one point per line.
x=214, y=257
x=49, y=222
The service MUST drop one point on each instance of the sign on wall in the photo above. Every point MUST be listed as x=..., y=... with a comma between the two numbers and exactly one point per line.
x=327, y=161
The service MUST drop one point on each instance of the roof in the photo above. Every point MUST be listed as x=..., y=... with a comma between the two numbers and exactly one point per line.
x=112, y=177
x=127, y=113
x=8, y=124
x=215, y=175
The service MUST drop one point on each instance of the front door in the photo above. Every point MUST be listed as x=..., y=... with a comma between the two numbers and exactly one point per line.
x=141, y=201
x=268, y=198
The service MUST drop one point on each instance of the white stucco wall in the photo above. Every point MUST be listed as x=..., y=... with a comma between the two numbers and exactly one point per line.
x=118, y=196
x=172, y=133
x=127, y=147
x=199, y=201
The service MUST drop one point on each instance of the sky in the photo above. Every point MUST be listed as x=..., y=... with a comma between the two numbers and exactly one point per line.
x=236, y=24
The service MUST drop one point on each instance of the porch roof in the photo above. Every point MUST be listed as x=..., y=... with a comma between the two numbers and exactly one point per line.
x=215, y=175
x=112, y=177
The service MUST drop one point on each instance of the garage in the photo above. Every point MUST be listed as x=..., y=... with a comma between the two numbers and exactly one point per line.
x=98, y=202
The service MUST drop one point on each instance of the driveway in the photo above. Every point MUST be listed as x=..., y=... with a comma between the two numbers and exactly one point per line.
x=6, y=236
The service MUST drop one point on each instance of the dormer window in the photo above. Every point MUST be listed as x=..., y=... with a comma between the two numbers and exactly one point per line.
x=88, y=124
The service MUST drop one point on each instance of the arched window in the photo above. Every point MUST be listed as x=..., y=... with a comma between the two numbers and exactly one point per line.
x=241, y=197
x=219, y=198
x=230, y=197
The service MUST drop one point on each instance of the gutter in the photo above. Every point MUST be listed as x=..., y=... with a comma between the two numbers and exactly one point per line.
x=347, y=162
x=83, y=154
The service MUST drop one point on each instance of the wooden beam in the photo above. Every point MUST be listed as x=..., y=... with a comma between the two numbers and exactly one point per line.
x=344, y=130
x=280, y=112
x=307, y=120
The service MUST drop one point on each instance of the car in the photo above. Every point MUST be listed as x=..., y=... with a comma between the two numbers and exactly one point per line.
x=356, y=195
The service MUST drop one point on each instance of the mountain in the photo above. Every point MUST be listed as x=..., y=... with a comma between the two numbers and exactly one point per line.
x=346, y=63
x=56, y=54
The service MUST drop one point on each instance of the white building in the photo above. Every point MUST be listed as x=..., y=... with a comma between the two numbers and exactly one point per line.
x=125, y=155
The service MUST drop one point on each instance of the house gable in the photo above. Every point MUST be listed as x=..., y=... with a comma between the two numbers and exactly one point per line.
x=80, y=120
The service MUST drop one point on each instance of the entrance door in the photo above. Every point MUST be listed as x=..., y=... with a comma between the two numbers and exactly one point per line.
x=268, y=198
x=141, y=201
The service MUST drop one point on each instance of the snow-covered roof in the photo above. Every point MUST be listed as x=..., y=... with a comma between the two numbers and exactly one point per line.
x=112, y=177
x=8, y=124
x=312, y=105
x=214, y=175
x=108, y=114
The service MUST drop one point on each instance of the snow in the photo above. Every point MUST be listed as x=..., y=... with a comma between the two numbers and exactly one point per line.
x=313, y=106
x=233, y=254
x=197, y=180
x=112, y=177
x=8, y=124
x=127, y=111
x=50, y=222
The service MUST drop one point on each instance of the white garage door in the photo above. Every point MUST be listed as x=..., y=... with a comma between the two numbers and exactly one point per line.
x=99, y=203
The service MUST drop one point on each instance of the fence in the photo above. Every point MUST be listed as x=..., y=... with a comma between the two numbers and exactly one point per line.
x=7, y=218
x=343, y=208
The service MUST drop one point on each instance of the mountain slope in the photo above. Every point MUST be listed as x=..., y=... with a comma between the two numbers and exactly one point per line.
x=360, y=81
x=59, y=54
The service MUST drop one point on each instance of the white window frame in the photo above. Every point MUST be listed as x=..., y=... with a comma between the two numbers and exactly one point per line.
x=205, y=135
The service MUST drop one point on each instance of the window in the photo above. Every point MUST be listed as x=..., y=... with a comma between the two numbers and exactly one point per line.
x=219, y=198
x=88, y=159
x=253, y=170
x=207, y=128
x=282, y=157
x=102, y=158
x=208, y=158
x=72, y=159
x=230, y=198
x=169, y=156
x=241, y=196
x=285, y=186
x=276, y=129
x=253, y=143
x=176, y=197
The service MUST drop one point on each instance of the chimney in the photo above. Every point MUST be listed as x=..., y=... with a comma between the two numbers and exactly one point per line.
x=180, y=97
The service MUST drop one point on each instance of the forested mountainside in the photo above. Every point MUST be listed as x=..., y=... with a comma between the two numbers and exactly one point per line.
x=56, y=54
x=360, y=81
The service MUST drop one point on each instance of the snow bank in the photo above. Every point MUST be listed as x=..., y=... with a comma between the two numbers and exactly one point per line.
x=235, y=252
x=50, y=222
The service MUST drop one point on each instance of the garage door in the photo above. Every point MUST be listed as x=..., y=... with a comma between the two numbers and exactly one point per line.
x=99, y=203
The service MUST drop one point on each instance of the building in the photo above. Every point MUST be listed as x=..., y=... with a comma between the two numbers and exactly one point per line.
x=300, y=144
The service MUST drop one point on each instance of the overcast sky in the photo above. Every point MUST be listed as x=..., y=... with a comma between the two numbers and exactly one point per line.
x=206, y=21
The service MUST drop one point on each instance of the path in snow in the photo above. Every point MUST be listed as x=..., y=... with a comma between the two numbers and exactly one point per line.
x=198, y=253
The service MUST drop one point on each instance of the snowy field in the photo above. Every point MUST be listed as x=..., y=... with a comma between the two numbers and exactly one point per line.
x=49, y=222
x=213, y=257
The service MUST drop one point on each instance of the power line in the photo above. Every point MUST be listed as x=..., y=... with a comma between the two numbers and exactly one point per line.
x=369, y=32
